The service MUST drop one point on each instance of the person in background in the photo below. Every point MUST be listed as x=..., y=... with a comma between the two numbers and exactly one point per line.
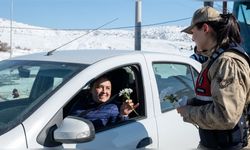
x=223, y=85
x=97, y=107
x=198, y=57
x=15, y=93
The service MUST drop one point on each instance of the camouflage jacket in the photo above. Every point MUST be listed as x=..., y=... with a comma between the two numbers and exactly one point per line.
x=230, y=89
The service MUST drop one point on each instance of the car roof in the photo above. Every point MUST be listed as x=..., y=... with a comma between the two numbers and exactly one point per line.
x=80, y=56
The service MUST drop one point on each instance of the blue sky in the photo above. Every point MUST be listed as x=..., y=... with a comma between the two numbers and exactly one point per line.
x=84, y=14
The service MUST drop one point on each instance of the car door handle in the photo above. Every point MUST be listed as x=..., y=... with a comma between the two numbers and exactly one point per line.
x=144, y=142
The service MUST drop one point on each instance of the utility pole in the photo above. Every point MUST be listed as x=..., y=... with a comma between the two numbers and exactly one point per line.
x=11, y=19
x=224, y=7
x=138, y=25
x=209, y=3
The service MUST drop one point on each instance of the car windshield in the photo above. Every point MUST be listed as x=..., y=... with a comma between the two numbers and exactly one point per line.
x=27, y=84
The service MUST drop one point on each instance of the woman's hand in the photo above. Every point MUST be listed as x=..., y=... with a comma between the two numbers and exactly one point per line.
x=127, y=107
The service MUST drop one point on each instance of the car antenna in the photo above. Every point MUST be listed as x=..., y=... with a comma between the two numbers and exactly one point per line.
x=50, y=52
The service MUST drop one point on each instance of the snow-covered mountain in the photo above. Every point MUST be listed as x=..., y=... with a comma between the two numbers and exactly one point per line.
x=29, y=39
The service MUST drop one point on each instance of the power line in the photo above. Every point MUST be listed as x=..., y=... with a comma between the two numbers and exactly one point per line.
x=147, y=25
x=50, y=52
x=113, y=28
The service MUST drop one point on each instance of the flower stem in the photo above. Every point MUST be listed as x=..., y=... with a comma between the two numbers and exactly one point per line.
x=135, y=112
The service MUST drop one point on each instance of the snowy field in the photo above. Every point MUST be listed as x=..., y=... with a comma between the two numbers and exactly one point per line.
x=28, y=39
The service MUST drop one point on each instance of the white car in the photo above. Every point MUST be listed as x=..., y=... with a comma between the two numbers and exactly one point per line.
x=48, y=85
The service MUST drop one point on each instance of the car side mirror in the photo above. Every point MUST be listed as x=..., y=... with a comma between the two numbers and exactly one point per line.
x=74, y=130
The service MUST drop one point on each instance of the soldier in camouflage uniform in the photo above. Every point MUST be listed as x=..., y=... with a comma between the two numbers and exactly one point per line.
x=223, y=85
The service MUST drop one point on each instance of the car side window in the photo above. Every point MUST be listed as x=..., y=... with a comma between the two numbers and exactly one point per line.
x=121, y=78
x=174, y=81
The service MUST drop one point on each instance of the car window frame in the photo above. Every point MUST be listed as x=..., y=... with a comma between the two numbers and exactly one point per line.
x=192, y=73
x=136, y=69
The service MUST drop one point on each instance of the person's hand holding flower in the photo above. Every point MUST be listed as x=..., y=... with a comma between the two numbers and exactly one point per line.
x=128, y=105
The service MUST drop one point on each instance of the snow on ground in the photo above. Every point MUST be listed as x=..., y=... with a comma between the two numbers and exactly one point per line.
x=28, y=39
